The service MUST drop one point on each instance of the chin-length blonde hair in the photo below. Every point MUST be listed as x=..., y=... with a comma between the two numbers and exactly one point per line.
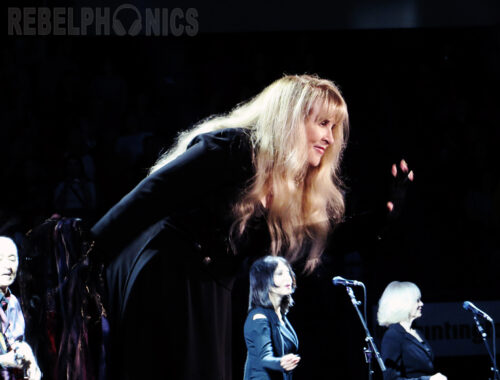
x=396, y=303
x=303, y=202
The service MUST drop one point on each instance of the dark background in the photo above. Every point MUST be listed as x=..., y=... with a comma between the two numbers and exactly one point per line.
x=421, y=81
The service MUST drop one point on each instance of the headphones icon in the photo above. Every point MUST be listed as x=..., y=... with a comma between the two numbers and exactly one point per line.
x=136, y=26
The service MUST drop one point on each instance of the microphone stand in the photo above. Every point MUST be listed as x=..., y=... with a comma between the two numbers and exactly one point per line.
x=492, y=355
x=371, y=349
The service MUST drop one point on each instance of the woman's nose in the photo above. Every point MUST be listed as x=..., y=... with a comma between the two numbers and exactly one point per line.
x=328, y=136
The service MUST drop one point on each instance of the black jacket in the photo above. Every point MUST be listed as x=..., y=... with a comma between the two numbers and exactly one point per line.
x=265, y=346
x=169, y=268
x=404, y=356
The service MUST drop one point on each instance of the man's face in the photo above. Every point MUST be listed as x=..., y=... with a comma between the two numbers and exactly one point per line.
x=9, y=263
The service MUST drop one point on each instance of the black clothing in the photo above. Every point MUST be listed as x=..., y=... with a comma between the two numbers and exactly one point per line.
x=267, y=340
x=405, y=356
x=170, y=270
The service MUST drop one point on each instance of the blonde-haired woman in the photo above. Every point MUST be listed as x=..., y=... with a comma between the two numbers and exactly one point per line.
x=263, y=178
x=406, y=353
x=296, y=130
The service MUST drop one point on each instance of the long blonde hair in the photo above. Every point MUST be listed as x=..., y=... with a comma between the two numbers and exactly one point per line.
x=304, y=201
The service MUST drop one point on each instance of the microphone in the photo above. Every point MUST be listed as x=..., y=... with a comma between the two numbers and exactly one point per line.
x=471, y=307
x=337, y=280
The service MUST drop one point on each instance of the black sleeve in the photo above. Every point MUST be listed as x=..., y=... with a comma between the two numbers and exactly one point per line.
x=365, y=228
x=212, y=161
x=359, y=230
x=260, y=345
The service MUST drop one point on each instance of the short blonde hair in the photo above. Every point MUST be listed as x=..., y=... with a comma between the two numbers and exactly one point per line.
x=396, y=302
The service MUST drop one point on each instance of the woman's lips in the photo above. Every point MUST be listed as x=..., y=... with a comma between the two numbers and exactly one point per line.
x=319, y=149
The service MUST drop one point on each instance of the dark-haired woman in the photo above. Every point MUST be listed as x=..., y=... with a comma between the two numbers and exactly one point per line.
x=270, y=338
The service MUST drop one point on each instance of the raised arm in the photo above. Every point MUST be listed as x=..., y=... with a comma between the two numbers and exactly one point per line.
x=367, y=227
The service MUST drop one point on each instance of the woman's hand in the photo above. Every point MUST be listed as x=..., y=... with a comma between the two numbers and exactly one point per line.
x=289, y=361
x=438, y=376
x=401, y=178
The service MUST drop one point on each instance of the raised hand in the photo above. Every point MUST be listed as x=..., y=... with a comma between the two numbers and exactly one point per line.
x=401, y=179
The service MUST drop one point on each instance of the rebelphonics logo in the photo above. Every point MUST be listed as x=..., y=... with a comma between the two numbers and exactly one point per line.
x=125, y=20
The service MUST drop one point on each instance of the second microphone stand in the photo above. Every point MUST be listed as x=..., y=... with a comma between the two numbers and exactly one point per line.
x=480, y=329
x=371, y=349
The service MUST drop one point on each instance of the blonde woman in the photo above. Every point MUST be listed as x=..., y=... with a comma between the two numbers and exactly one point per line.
x=406, y=353
x=262, y=179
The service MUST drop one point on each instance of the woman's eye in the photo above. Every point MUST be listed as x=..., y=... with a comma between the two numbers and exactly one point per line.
x=324, y=123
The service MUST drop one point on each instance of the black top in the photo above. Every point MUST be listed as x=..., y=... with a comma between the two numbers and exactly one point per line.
x=267, y=340
x=405, y=356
